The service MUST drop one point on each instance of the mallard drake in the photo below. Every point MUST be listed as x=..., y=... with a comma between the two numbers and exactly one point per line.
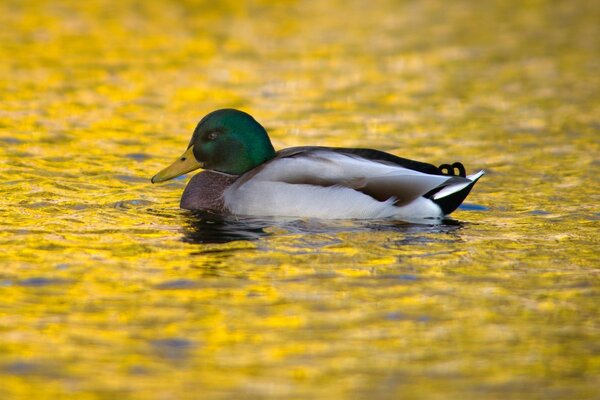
x=244, y=175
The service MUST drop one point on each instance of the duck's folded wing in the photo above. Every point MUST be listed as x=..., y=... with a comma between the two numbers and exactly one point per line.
x=324, y=167
x=404, y=188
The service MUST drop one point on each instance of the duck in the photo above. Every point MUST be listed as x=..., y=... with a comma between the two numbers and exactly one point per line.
x=244, y=176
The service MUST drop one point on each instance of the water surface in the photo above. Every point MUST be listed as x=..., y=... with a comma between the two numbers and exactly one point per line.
x=109, y=290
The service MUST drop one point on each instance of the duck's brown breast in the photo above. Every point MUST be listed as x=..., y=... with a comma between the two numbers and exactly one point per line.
x=205, y=191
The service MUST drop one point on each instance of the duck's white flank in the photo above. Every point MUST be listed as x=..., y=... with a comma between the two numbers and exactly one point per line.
x=327, y=184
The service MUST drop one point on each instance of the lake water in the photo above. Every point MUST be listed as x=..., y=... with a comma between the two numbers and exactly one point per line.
x=109, y=291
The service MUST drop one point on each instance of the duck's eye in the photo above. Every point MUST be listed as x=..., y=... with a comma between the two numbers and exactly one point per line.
x=211, y=135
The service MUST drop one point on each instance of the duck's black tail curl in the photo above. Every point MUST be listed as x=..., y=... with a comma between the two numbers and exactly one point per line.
x=456, y=169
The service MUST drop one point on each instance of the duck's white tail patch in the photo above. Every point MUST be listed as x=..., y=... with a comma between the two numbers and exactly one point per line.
x=451, y=189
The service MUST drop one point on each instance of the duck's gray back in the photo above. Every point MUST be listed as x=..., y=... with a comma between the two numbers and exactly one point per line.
x=205, y=191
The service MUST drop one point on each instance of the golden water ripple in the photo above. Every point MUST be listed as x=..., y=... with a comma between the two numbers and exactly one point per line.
x=109, y=290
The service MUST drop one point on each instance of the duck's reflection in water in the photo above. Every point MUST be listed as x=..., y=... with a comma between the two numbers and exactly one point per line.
x=205, y=227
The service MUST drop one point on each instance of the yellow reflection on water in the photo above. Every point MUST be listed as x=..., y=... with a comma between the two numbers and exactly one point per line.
x=110, y=291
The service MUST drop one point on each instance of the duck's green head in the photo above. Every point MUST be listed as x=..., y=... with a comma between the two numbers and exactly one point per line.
x=228, y=141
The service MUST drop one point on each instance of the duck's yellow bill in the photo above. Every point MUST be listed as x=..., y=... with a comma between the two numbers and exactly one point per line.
x=186, y=163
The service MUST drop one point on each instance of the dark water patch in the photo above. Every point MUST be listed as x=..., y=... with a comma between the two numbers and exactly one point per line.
x=396, y=316
x=218, y=251
x=436, y=253
x=138, y=156
x=10, y=140
x=41, y=282
x=76, y=207
x=165, y=213
x=135, y=203
x=132, y=179
x=60, y=138
x=472, y=207
x=13, y=182
x=31, y=368
x=58, y=159
x=400, y=277
x=52, y=247
x=39, y=205
x=177, y=284
x=23, y=368
x=400, y=316
x=21, y=231
x=20, y=155
x=324, y=275
x=384, y=280
x=313, y=242
x=174, y=349
x=139, y=370
x=321, y=276
x=539, y=212
x=219, y=282
x=71, y=188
